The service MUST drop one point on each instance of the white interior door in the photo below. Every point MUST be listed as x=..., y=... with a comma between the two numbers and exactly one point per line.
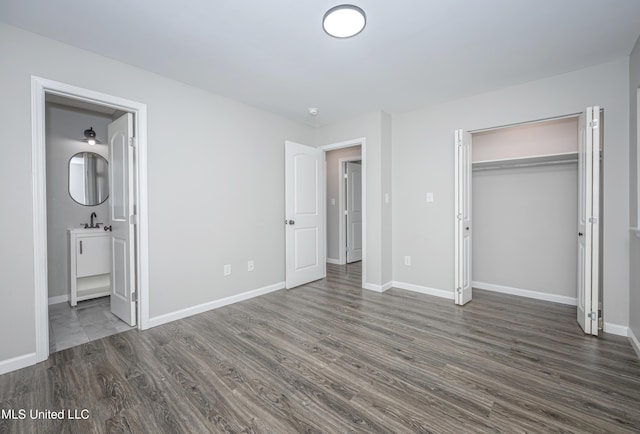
x=121, y=204
x=304, y=218
x=353, y=211
x=463, y=228
x=588, y=220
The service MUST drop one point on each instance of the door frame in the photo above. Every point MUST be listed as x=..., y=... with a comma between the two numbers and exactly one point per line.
x=342, y=232
x=362, y=142
x=40, y=87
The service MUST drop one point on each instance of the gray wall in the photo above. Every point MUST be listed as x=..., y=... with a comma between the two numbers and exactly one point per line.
x=333, y=192
x=525, y=226
x=525, y=219
x=64, y=129
x=634, y=287
x=423, y=161
x=209, y=205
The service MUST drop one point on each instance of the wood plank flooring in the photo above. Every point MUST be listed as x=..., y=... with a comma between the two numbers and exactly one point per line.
x=331, y=357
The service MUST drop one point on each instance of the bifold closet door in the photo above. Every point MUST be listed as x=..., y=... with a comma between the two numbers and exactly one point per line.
x=588, y=220
x=463, y=228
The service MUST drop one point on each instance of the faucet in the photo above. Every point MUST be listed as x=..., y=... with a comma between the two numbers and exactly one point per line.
x=92, y=225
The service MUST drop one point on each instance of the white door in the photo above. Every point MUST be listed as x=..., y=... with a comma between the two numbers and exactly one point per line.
x=463, y=229
x=121, y=204
x=588, y=220
x=304, y=218
x=354, y=211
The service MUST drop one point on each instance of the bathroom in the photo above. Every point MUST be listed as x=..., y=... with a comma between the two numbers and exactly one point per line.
x=78, y=223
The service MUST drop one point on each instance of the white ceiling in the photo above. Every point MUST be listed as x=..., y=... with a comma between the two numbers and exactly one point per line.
x=274, y=54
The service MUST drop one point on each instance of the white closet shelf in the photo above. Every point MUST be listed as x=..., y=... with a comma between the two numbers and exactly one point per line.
x=537, y=160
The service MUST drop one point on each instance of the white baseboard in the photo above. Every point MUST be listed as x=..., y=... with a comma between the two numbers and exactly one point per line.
x=16, y=363
x=424, y=290
x=59, y=299
x=194, y=310
x=616, y=329
x=377, y=288
x=334, y=261
x=571, y=301
x=635, y=343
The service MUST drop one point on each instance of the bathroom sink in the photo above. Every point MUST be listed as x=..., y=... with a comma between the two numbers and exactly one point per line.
x=84, y=230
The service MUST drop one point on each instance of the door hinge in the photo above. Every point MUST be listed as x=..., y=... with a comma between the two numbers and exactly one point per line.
x=132, y=142
x=134, y=296
x=459, y=216
x=593, y=220
x=133, y=219
x=459, y=290
x=346, y=212
x=345, y=176
x=593, y=316
x=593, y=124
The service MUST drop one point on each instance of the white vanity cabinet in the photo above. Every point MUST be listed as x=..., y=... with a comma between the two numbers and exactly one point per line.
x=89, y=264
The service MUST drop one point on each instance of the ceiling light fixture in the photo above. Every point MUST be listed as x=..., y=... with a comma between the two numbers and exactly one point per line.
x=344, y=21
x=90, y=137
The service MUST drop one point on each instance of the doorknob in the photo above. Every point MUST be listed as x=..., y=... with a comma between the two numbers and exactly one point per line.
x=292, y=222
x=579, y=234
x=107, y=228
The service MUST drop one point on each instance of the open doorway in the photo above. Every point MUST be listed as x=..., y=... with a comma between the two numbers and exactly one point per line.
x=79, y=259
x=344, y=205
x=112, y=260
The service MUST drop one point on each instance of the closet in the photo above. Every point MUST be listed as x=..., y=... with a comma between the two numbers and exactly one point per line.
x=525, y=210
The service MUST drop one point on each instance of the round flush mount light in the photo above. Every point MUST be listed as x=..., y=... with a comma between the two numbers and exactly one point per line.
x=344, y=21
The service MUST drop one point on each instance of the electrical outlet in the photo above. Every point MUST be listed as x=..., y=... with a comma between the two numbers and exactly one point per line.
x=429, y=197
x=250, y=265
x=407, y=261
x=227, y=269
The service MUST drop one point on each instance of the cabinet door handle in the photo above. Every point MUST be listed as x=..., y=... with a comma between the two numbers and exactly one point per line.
x=81, y=247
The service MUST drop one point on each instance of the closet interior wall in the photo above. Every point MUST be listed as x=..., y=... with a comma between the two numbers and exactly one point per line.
x=525, y=207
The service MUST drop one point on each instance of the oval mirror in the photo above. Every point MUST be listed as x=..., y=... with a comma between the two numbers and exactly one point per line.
x=88, y=178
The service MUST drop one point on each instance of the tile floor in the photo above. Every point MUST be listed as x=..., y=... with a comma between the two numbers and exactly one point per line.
x=88, y=321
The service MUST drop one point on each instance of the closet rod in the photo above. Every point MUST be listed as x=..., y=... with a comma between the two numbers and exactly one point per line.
x=519, y=165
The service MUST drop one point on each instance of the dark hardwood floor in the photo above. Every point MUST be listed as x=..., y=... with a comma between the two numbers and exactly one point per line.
x=331, y=357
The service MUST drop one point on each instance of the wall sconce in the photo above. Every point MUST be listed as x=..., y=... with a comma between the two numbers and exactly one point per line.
x=90, y=137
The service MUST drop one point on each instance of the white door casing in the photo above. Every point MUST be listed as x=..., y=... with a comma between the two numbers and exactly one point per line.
x=462, y=216
x=588, y=290
x=354, y=211
x=304, y=214
x=40, y=87
x=121, y=205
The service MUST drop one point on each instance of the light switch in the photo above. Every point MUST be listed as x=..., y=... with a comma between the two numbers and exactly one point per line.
x=387, y=198
x=430, y=196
